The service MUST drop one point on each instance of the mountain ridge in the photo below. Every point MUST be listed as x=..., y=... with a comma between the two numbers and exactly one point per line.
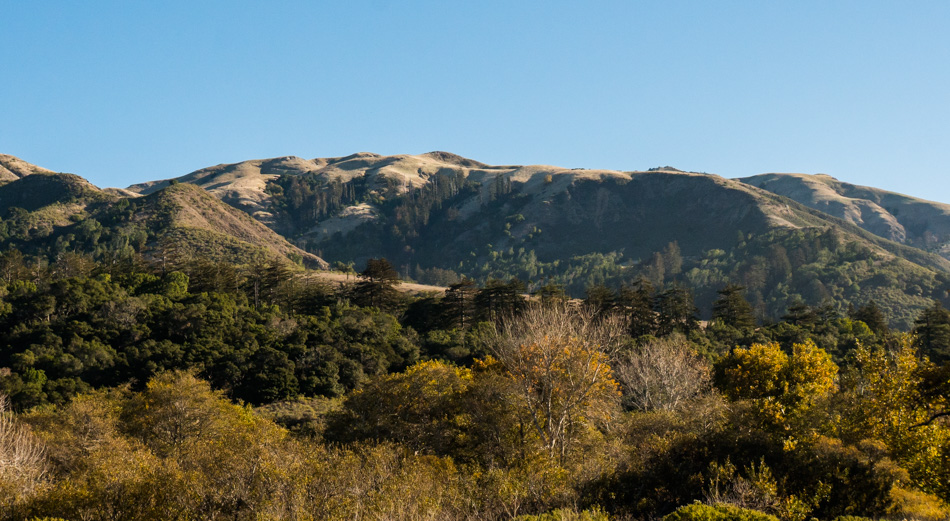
x=440, y=216
x=898, y=217
x=12, y=168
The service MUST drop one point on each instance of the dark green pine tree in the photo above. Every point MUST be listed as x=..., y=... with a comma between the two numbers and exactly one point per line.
x=637, y=304
x=499, y=300
x=932, y=328
x=872, y=315
x=675, y=311
x=732, y=309
x=377, y=285
x=600, y=299
x=801, y=315
x=551, y=294
x=458, y=305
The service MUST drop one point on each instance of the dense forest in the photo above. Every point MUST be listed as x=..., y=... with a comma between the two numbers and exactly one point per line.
x=192, y=389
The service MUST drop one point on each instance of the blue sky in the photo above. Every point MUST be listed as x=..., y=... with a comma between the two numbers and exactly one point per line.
x=124, y=92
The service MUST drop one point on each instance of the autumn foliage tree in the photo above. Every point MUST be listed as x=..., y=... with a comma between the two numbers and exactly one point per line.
x=782, y=388
x=886, y=398
x=558, y=359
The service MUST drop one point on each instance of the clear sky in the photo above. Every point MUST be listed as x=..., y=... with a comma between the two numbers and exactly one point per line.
x=123, y=92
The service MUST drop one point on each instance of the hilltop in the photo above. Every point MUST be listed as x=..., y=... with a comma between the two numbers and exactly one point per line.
x=50, y=213
x=897, y=217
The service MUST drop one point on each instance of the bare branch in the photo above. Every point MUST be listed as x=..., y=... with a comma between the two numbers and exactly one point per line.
x=22, y=456
x=933, y=417
x=661, y=374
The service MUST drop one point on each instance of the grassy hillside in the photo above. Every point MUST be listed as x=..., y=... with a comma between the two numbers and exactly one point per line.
x=51, y=214
x=195, y=220
x=901, y=218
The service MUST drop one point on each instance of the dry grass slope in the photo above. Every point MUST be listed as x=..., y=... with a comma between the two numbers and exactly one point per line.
x=191, y=209
x=13, y=168
x=896, y=217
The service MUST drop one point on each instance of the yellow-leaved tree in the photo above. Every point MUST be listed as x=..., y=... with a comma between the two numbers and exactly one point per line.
x=557, y=358
x=884, y=400
x=782, y=389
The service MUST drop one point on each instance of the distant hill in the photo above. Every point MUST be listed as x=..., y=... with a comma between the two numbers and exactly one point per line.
x=439, y=216
x=901, y=218
x=49, y=213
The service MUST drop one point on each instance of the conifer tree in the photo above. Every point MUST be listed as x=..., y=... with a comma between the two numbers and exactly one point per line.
x=732, y=309
x=932, y=328
x=377, y=285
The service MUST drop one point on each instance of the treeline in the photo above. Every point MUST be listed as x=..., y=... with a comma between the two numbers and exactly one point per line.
x=776, y=269
x=475, y=404
x=262, y=331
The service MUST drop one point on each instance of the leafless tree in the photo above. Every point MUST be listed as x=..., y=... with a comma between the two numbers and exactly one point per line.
x=563, y=320
x=661, y=374
x=22, y=457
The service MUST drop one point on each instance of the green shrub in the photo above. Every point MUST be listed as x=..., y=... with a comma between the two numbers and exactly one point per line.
x=700, y=512
x=592, y=514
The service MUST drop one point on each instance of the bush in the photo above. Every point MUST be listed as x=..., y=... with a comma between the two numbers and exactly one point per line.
x=591, y=514
x=700, y=512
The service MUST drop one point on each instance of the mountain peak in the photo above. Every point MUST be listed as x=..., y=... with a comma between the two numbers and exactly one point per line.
x=12, y=168
x=455, y=159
